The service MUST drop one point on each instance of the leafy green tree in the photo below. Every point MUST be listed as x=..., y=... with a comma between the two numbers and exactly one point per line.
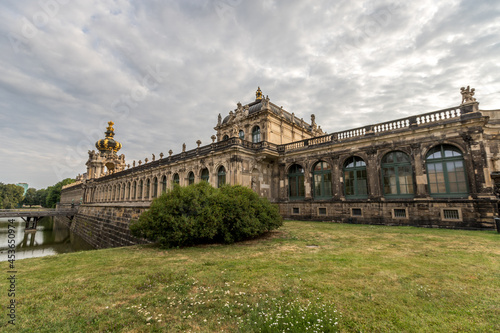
x=41, y=197
x=11, y=196
x=30, y=198
x=54, y=192
x=199, y=214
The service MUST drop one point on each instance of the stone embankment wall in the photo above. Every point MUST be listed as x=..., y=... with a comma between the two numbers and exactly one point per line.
x=105, y=226
x=102, y=225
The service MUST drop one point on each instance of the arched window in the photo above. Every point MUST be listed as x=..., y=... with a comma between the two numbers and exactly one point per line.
x=123, y=191
x=355, y=181
x=164, y=183
x=191, y=178
x=176, y=179
x=397, y=175
x=128, y=191
x=241, y=134
x=114, y=193
x=446, y=172
x=225, y=137
x=134, y=190
x=155, y=187
x=322, y=176
x=148, y=188
x=205, y=175
x=256, y=134
x=140, y=189
x=296, y=186
x=221, y=176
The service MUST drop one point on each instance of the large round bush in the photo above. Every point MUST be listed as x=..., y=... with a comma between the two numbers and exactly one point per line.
x=199, y=214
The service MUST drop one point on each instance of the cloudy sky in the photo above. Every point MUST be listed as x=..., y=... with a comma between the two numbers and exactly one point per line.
x=163, y=70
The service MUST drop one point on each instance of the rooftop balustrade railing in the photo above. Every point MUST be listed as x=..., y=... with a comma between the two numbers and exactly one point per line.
x=446, y=115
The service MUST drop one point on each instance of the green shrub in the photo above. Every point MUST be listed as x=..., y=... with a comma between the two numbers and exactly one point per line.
x=199, y=214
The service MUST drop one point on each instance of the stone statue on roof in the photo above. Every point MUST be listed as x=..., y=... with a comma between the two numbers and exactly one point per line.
x=467, y=95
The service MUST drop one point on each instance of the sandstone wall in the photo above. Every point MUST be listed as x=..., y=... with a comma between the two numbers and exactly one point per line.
x=452, y=214
x=105, y=226
x=72, y=194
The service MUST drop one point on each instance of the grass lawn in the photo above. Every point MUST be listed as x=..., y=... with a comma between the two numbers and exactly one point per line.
x=305, y=277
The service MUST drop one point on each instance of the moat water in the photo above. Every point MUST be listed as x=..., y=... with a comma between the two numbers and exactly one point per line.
x=51, y=237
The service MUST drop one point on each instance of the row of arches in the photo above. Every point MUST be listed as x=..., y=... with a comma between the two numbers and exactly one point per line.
x=445, y=168
x=150, y=187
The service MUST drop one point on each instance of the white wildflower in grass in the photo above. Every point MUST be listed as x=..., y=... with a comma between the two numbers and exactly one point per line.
x=285, y=315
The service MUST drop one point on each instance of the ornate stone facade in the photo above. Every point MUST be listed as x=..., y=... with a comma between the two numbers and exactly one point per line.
x=435, y=169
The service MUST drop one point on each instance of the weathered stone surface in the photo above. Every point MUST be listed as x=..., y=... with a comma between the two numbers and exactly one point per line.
x=112, y=200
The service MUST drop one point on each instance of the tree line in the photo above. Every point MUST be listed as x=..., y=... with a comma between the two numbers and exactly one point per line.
x=11, y=196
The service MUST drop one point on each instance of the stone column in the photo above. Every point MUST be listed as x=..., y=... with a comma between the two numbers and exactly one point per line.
x=420, y=174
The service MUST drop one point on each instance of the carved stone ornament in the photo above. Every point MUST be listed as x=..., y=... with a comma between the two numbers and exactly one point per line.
x=467, y=138
x=161, y=155
x=170, y=152
x=213, y=137
x=146, y=160
x=371, y=151
x=198, y=142
x=467, y=95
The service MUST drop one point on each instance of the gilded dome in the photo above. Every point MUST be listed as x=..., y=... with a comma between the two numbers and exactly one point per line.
x=108, y=143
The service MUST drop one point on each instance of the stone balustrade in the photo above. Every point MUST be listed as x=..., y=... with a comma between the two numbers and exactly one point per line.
x=431, y=118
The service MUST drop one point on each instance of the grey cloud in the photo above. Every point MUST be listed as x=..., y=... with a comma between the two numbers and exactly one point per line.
x=349, y=63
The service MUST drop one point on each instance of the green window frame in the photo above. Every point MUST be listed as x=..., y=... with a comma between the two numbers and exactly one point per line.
x=256, y=134
x=221, y=176
x=355, y=178
x=322, y=180
x=176, y=179
x=134, y=190
x=140, y=189
x=397, y=175
x=148, y=188
x=446, y=174
x=296, y=187
x=164, y=184
x=205, y=175
x=128, y=191
x=155, y=187
x=191, y=178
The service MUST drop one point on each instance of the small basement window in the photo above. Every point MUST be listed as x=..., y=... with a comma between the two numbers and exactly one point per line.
x=321, y=211
x=451, y=214
x=295, y=210
x=399, y=213
x=356, y=212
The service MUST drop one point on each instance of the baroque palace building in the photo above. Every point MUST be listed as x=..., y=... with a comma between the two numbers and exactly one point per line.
x=437, y=169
